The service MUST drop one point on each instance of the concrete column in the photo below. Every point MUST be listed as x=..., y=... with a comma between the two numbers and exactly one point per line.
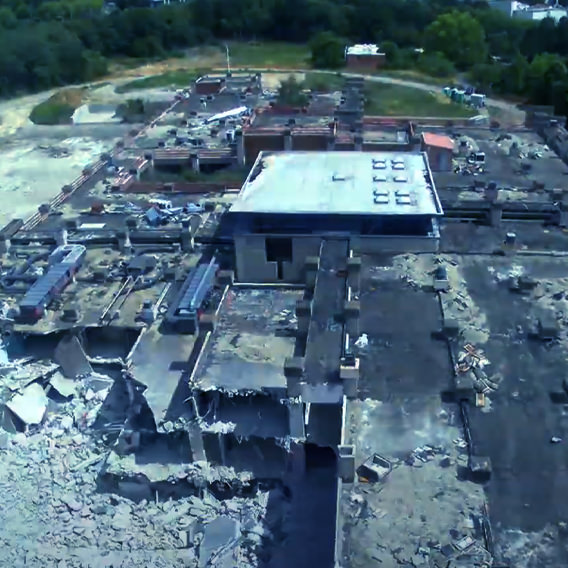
x=330, y=142
x=187, y=242
x=296, y=420
x=196, y=442
x=311, y=267
x=61, y=237
x=491, y=193
x=351, y=312
x=293, y=371
x=4, y=244
x=297, y=457
x=358, y=143
x=349, y=376
x=225, y=277
x=563, y=215
x=303, y=315
x=288, y=140
x=354, y=273
x=495, y=214
x=123, y=239
x=195, y=163
x=222, y=448
x=240, y=143
x=346, y=463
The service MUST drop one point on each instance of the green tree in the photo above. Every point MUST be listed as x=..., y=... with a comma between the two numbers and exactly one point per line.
x=7, y=18
x=291, y=93
x=327, y=51
x=435, y=64
x=459, y=37
x=548, y=80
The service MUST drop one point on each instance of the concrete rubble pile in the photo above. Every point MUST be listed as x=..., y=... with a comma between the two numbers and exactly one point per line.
x=57, y=511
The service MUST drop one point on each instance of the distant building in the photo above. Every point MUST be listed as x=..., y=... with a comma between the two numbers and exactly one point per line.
x=364, y=56
x=439, y=150
x=524, y=11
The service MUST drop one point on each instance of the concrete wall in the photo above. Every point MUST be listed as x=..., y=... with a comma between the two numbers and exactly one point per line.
x=252, y=266
x=372, y=245
x=440, y=159
x=301, y=248
x=386, y=147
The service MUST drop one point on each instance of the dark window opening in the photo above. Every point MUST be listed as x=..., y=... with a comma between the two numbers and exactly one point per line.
x=278, y=249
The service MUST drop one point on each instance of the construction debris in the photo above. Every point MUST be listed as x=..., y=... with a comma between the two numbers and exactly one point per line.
x=29, y=406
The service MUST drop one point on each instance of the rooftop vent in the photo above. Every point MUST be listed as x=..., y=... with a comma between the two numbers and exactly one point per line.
x=380, y=199
x=379, y=165
x=379, y=178
x=400, y=179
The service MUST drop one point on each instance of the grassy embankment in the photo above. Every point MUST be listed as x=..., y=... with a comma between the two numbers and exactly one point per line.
x=59, y=108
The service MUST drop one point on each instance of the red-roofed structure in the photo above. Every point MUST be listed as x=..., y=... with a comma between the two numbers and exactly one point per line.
x=439, y=149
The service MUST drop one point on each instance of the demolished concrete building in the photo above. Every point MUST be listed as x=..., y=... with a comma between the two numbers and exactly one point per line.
x=349, y=361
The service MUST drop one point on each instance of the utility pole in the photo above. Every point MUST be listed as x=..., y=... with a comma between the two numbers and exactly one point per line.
x=228, y=61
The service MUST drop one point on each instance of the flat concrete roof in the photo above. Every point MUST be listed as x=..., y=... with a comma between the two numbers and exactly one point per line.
x=360, y=183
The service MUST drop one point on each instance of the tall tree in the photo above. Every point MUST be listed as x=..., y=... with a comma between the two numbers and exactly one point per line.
x=459, y=36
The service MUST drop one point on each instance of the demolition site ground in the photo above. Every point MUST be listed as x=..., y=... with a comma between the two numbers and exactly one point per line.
x=166, y=403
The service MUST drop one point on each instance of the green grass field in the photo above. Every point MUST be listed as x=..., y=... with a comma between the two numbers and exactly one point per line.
x=394, y=100
x=179, y=78
x=324, y=82
x=59, y=108
x=273, y=55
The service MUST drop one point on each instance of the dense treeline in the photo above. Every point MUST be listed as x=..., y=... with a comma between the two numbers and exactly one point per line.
x=55, y=42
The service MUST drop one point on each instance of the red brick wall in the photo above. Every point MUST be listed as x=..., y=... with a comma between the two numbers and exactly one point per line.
x=306, y=142
x=256, y=143
x=208, y=88
x=365, y=61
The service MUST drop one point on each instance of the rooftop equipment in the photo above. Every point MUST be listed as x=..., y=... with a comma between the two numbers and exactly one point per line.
x=183, y=314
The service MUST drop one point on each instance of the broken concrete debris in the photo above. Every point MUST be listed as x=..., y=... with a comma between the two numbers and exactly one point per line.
x=69, y=354
x=30, y=406
x=375, y=468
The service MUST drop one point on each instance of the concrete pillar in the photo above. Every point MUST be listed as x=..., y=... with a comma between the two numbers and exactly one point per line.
x=240, y=143
x=346, y=463
x=222, y=448
x=330, y=142
x=4, y=244
x=288, y=140
x=187, y=242
x=354, y=273
x=358, y=142
x=495, y=214
x=297, y=457
x=196, y=442
x=491, y=193
x=195, y=163
x=293, y=371
x=303, y=315
x=296, y=420
x=349, y=376
x=563, y=215
x=225, y=277
x=61, y=237
x=311, y=267
x=123, y=239
x=351, y=312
